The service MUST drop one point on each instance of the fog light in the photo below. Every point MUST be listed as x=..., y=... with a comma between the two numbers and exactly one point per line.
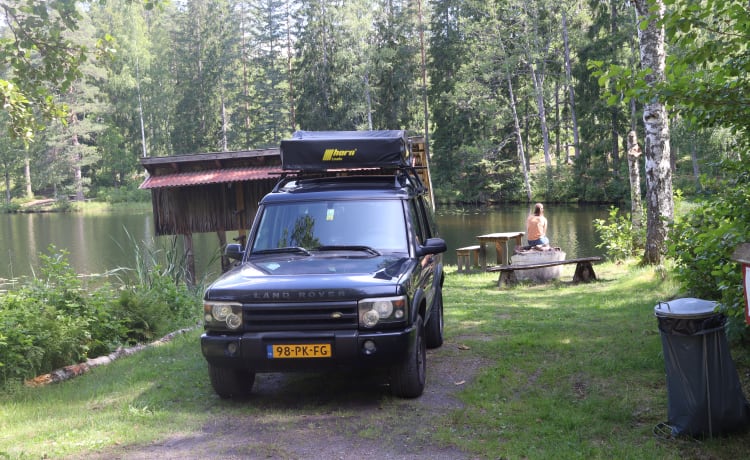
x=232, y=348
x=369, y=347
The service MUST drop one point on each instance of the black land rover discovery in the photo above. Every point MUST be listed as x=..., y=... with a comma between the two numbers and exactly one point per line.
x=342, y=269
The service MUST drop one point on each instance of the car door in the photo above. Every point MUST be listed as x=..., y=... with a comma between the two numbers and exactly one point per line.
x=422, y=232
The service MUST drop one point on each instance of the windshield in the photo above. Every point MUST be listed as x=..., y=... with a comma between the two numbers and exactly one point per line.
x=358, y=224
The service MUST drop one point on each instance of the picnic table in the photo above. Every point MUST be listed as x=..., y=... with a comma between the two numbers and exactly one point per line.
x=501, y=246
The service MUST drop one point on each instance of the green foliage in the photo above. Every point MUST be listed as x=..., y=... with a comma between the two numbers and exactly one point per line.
x=129, y=193
x=63, y=204
x=619, y=239
x=56, y=319
x=555, y=185
x=708, y=79
x=43, y=61
x=12, y=206
x=702, y=243
x=150, y=313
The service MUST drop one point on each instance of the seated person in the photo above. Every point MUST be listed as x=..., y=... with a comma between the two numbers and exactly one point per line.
x=536, y=227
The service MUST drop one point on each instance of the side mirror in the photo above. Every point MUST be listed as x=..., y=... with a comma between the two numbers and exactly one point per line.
x=234, y=251
x=432, y=246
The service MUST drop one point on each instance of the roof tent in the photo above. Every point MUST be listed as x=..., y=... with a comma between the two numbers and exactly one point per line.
x=324, y=150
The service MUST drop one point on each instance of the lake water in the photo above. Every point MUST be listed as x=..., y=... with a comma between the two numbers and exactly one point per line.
x=98, y=243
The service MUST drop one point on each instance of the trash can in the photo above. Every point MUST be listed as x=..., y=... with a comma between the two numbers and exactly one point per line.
x=704, y=393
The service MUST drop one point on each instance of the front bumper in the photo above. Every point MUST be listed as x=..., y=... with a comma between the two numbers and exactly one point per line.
x=348, y=349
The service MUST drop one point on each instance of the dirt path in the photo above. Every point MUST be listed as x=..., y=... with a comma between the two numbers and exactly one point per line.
x=329, y=416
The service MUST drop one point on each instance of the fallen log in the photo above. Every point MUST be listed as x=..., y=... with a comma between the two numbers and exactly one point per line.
x=74, y=370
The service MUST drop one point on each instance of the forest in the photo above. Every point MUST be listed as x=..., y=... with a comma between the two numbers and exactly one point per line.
x=520, y=100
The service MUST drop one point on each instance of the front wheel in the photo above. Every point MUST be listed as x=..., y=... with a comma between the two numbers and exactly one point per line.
x=434, y=329
x=231, y=383
x=408, y=377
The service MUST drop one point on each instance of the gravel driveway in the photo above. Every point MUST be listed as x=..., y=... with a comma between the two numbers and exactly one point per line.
x=326, y=416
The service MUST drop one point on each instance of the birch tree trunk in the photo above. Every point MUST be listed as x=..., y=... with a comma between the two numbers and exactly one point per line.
x=658, y=169
x=27, y=176
x=636, y=208
x=77, y=174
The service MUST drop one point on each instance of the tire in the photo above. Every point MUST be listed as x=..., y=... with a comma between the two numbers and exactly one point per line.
x=434, y=329
x=231, y=383
x=408, y=377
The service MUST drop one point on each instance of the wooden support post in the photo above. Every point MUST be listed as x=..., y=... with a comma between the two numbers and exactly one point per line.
x=189, y=259
x=223, y=244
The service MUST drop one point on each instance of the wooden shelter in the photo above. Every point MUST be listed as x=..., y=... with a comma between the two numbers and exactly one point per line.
x=209, y=192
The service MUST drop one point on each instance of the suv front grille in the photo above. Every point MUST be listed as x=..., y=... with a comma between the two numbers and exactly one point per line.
x=300, y=316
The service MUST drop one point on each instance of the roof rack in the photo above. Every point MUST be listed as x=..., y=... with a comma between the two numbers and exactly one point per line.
x=324, y=150
x=322, y=154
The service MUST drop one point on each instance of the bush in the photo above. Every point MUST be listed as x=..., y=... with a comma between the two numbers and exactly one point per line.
x=12, y=206
x=161, y=308
x=703, y=241
x=619, y=240
x=124, y=194
x=56, y=320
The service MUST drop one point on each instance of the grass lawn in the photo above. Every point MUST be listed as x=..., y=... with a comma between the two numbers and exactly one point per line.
x=571, y=371
x=578, y=371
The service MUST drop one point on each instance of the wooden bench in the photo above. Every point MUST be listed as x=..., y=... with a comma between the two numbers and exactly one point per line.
x=463, y=257
x=583, y=274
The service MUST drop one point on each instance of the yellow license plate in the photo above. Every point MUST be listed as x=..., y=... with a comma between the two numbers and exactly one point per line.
x=306, y=350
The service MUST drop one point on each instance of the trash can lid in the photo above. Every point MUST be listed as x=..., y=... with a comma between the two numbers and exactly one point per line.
x=686, y=308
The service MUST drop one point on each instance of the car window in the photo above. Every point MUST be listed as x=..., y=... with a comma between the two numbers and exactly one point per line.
x=427, y=217
x=378, y=224
x=416, y=222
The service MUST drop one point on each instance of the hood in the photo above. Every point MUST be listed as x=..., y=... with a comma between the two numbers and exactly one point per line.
x=304, y=277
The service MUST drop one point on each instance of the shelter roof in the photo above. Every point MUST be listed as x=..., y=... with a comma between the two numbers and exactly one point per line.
x=213, y=176
x=211, y=168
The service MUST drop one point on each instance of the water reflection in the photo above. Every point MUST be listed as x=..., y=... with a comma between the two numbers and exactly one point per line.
x=570, y=227
x=98, y=243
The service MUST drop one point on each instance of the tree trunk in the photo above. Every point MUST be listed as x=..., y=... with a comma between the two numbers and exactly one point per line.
x=224, y=121
x=558, y=123
x=423, y=63
x=636, y=208
x=7, y=186
x=289, y=58
x=696, y=169
x=519, y=139
x=539, y=89
x=614, y=110
x=78, y=175
x=140, y=108
x=659, y=197
x=571, y=90
x=27, y=176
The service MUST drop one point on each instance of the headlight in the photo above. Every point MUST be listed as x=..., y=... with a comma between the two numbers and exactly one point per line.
x=382, y=310
x=226, y=315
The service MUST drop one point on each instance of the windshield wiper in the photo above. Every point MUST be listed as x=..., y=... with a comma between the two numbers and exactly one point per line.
x=366, y=249
x=285, y=250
